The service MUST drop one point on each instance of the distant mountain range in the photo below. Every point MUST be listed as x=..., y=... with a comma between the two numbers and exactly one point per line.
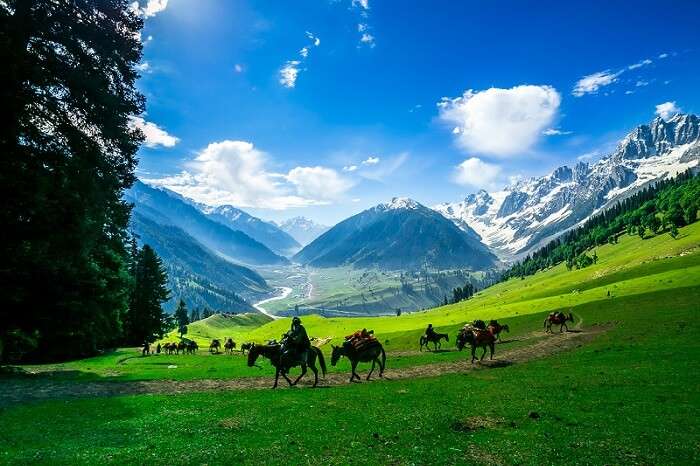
x=302, y=229
x=521, y=217
x=196, y=274
x=269, y=234
x=168, y=208
x=401, y=234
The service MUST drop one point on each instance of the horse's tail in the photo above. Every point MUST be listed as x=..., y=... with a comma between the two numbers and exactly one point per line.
x=321, y=360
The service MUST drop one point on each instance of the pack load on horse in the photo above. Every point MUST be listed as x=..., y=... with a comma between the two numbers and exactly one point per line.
x=558, y=318
x=495, y=329
x=476, y=337
x=361, y=346
x=229, y=346
x=214, y=346
x=295, y=350
x=431, y=336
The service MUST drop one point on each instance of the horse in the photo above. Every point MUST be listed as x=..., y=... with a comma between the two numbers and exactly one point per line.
x=495, y=329
x=214, y=346
x=366, y=354
x=246, y=347
x=229, y=346
x=478, y=339
x=557, y=318
x=282, y=365
x=182, y=346
x=192, y=347
x=432, y=338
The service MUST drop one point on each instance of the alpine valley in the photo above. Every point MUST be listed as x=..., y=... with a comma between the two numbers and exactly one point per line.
x=399, y=254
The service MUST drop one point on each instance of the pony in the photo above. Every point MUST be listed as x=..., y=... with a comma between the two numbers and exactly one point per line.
x=282, y=365
x=229, y=346
x=557, y=318
x=214, y=346
x=434, y=339
x=495, y=329
x=246, y=347
x=477, y=339
x=369, y=353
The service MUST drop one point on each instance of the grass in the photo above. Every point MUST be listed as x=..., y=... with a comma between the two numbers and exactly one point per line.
x=631, y=396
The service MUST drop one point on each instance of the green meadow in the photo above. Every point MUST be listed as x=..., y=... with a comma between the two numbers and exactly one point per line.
x=629, y=394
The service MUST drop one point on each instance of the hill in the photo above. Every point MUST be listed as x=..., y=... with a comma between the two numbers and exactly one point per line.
x=166, y=208
x=522, y=217
x=196, y=274
x=399, y=235
x=267, y=233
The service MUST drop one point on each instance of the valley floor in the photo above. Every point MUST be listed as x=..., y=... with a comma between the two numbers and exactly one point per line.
x=622, y=388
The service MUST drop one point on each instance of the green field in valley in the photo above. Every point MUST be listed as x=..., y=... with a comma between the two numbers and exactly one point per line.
x=624, y=390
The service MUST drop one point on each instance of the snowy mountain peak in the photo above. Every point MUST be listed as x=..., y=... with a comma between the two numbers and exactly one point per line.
x=398, y=203
x=527, y=214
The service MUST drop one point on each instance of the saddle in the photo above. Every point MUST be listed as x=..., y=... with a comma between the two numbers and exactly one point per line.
x=361, y=340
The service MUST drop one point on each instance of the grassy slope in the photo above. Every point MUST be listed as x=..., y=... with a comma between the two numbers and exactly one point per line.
x=631, y=268
x=629, y=397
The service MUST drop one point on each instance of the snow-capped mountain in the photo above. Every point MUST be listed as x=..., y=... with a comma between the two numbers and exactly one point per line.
x=527, y=214
x=399, y=235
x=302, y=229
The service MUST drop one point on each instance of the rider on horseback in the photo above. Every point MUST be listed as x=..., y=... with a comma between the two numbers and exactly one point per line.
x=296, y=342
x=430, y=331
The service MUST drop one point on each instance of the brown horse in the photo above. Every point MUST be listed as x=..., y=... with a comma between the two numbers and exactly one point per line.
x=229, y=346
x=557, y=318
x=182, y=346
x=495, y=329
x=477, y=339
x=283, y=364
x=246, y=347
x=434, y=339
x=369, y=353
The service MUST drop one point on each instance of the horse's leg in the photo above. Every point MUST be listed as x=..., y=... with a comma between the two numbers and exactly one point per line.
x=277, y=376
x=473, y=353
x=303, y=373
x=483, y=354
x=354, y=374
x=315, y=371
x=371, y=369
x=492, y=349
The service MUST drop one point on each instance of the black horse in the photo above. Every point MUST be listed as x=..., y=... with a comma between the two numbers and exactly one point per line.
x=434, y=339
x=282, y=365
x=246, y=347
x=370, y=353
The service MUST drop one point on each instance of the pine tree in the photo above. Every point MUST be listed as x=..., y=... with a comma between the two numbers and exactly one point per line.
x=68, y=152
x=145, y=320
x=181, y=318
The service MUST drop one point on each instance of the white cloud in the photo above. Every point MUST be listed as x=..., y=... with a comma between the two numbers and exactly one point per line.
x=640, y=64
x=350, y=168
x=476, y=173
x=364, y=4
x=593, y=82
x=289, y=73
x=663, y=55
x=367, y=39
x=150, y=8
x=235, y=172
x=155, y=136
x=373, y=170
x=371, y=161
x=501, y=122
x=667, y=109
x=238, y=68
x=291, y=69
x=555, y=132
x=318, y=183
x=144, y=67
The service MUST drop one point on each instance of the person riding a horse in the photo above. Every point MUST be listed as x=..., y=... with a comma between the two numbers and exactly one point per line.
x=296, y=342
x=430, y=331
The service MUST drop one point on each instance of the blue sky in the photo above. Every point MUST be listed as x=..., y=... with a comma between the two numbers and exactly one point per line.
x=323, y=108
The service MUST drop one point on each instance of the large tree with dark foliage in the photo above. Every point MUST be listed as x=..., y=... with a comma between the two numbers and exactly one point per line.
x=68, y=151
x=145, y=321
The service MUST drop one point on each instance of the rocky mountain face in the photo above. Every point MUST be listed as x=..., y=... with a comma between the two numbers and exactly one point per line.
x=267, y=233
x=302, y=229
x=399, y=235
x=529, y=213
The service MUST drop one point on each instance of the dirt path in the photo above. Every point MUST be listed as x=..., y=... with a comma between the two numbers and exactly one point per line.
x=19, y=391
